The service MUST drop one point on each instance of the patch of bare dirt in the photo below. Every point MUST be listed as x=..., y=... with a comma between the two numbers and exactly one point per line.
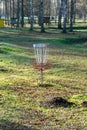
x=58, y=102
x=84, y=103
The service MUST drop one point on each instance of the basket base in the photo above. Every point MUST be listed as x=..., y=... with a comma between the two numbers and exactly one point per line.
x=41, y=66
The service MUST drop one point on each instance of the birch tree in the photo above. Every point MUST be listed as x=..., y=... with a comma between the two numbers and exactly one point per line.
x=60, y=3
x=31, y=15
x=18, y=10
x=71, y=15
x=64, y=15
x=41, y=16
x=22, y=13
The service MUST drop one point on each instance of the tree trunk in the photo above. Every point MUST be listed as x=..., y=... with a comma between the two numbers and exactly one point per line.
x=5, y=11
x=60, y=14
x=64, y=15
x=31, y=15
x=22, y=13
x=10, y=11
x=71, y=16
x=41, y=16
x=13, y=9
x=68, y=11
x=74, y=11
x=18, y=10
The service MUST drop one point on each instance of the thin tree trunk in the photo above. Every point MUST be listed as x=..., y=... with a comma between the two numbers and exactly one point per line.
x=71, y=17
x=65, y=16
x=68, y=11
x=10, y=11
x=31, y=15
x=60, y=14
x=5, y=11
x=18, y=10
x=41, y=16
x=13, y=9
x=22, y=13
x=74, y=11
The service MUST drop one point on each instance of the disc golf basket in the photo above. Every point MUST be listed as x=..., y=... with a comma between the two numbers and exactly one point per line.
x=41, y=55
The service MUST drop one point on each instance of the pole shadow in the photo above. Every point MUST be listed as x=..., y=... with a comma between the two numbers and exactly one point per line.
x=7, y=125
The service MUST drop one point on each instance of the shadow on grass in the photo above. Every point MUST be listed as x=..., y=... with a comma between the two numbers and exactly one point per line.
x=16, y=55
x=80, y=27
x=45, y=85
x=7, y=125
x=71, y=41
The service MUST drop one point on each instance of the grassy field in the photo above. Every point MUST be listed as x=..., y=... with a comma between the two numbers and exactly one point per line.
x=24, y=104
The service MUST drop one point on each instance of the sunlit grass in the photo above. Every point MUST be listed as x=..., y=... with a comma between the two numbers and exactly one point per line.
x=21, y=96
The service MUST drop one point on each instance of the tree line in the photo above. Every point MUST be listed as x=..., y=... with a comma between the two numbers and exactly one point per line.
x=61, y=11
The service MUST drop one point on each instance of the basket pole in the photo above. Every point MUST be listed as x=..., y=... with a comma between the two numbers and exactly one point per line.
x=41, y=77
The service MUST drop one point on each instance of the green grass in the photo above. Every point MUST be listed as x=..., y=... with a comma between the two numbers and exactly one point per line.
x=21, y=96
